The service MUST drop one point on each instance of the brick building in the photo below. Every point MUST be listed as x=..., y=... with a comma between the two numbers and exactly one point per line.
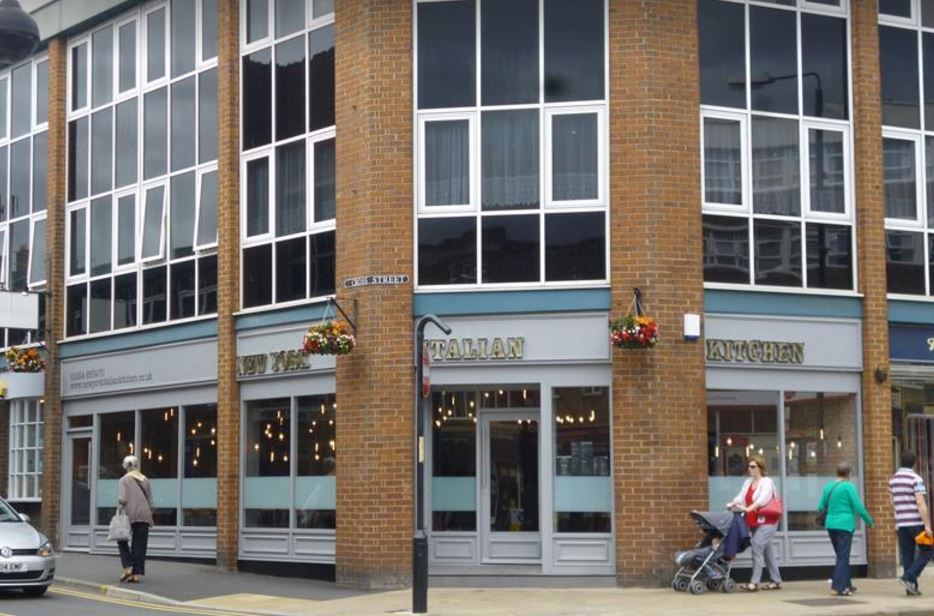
x=201, y=176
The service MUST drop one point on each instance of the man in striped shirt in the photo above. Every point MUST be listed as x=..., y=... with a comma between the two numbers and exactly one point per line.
x=909, y=499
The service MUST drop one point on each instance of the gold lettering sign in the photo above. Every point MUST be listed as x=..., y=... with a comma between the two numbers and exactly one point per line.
x=476, y=349
x=277, y=361
x=755, y=351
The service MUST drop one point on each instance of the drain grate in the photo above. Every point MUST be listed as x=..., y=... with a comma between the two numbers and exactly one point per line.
x=829, y=602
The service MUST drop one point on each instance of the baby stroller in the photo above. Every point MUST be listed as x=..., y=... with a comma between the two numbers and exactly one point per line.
x=707, y=565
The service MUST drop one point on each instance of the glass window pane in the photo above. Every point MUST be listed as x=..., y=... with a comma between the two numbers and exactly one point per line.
x=827, y=171
x=159, y=461
x=898, y=67
x=575, y=246
x=199, y=489
x=78, y=159
x=257, y=276
x=126, y=143
x=102, y=67
x=723, y=164
x=290, y=87
x=820, y=432
x=155, y=45
x=37, y=267
x=776, y=172
x=257, y=20
x=290, y=269
x=208, y=29
x=155, y=133
x=929, y=177
x=182, y=305
x=40, y=161
x=447, y=162
x=257, y=108
x=207, y=285
x=315, y=487
x=4, y=193
x=77, y=243
x=321, y=78
x=19, y=178
x=182, y=215
x=2, y=270
x=154, y=295
x=257, y=196
x=510, y=248
x=125, y=301
x=79, y=76
x=453, y=461
x=182, y=33
x=126, y=229
x=574, y=50
x=207, y=209
x=574, y=158
x=21, y=101
x=3, y=107
x=19, y=255
x=726, y=249
x=446, y=54
x=904, y=266
x=322, y=260
x=207, y=116
x=290, y=16
x=927, y=13
x=99, y=306
x=509, y=48
x=127, y=57
x=830, y=256
x=101, y=233
x=183, y=124
x=117, y=432
x=322, y=7
x=895, y=8
x=824, y=66
x=102, y=151
x=778, y=252
x=42, y=92
x=898, y=161
x=325, y=180
x=927, y=47
x=153, y=222
x=447, y=251
x=266, y=465
x=773, y=62
x=76, y=310
x=510, y=154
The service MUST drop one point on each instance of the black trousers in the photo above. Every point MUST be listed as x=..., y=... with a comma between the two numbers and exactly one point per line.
x=135, y=555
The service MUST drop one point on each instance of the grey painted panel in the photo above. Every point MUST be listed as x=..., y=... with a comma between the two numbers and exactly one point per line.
x=556, y=376
x=288, y=385
x=276, y=339
x=142, y=400
x=254, y=542
x=772, y=380
x=515, y=549
x=321, y=546
x=197, y=541
x=454, y=550
x=583, y=551
x=77, y=539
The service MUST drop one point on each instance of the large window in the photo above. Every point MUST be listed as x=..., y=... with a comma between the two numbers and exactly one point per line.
x=775, y=128
x=26, y=444
x=906, y=53
x=511, y=183
x=141, y=230
x=288, y=198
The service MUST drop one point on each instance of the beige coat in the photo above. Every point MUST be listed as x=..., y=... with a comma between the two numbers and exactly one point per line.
x=136, y=499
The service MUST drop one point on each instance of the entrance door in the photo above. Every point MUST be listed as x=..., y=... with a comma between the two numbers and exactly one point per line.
x=77, y=510
x=921, y=440
x=510, y=494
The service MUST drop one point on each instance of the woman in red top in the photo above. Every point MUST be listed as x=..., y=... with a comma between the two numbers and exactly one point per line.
x=757, y=491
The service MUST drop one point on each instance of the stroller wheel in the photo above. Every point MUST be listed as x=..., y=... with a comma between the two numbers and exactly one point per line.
x=728, y=586
x=714, y=585
x=697, y=587
x=679, y=584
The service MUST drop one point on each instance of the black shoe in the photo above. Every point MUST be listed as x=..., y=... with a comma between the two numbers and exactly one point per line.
x=911, y=588
x=853, y=590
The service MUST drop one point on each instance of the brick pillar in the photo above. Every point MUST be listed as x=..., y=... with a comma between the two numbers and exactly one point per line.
x=373, y=39
x=659, y=444
x=55, y=295
x=228, y=276
x=5, y=449
x=870, y=215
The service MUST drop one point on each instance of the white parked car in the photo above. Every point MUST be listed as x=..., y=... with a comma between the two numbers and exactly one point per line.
x=26, y=558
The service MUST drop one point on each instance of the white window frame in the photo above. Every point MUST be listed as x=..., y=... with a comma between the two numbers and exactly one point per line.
x=32, y=248
x=248, y=47
x=4, y=232
x=137, y=233
x=121, y=95
x=114, y=69
x=18, y=450
x=143, y=79
x=150, y=259
x=894, y=20
x=38, y=127
x=72, y=110
x=313, y=223
x=842, y=9
x=5, y=120
x=602, y=167
x=473, y=158
x=918, y=140
x=206, y=247
x=83, y=207
x=267, y=152
x=745, y=163
x=810, y=214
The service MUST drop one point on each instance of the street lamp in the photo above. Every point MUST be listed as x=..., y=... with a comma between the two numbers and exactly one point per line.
x=19, y=34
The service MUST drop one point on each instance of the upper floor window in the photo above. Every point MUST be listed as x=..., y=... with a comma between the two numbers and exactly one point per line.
x=906, y=52
x=141, y=220
x=776, y=144
x=288, y=184
x=511, y=142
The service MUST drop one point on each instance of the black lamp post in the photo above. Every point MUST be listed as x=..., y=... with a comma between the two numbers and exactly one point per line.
x=19, y=34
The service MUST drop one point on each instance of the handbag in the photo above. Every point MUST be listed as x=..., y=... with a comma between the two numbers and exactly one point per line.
x=772, y=509
x=821, y=518
x=119, y=527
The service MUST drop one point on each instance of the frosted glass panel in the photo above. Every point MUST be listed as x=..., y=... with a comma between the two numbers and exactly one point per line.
x=723, y=489
x=590, y=494
x=164, y=492
x=199, y=493
x=803, y=493
x=266, y=492
x=453, y=494
x=316, y=492
x=106, y=492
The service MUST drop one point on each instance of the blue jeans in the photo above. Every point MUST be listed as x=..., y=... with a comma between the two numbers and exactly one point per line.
x=914, y=557
x=841, y=540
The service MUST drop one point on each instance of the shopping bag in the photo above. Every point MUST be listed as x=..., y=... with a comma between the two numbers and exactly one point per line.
x=119, y=528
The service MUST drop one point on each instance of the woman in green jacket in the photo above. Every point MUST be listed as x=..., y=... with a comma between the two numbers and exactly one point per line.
x=842, y=504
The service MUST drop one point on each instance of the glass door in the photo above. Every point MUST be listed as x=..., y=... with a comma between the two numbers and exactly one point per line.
x=510, y=488
x=77, y=489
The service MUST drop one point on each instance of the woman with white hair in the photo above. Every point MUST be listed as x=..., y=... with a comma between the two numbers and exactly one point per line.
x=134, y=500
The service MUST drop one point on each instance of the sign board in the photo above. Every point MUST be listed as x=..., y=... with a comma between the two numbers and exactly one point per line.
x=426, y=371
x=365, y=281
x=19, y=310
x=911, y=343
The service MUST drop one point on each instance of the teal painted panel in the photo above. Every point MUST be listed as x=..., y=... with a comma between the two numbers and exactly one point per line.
x=902, y=311
x=316, y=492
x=164, y=492
x=285, y=316
x=199, y=493
x=139, y=339
x=266, y=493
x=453, y=494
x=588, y=494
x=782, y=304
x=511, y=302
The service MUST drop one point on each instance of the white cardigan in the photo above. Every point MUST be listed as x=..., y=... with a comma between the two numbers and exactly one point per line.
x=760, y=498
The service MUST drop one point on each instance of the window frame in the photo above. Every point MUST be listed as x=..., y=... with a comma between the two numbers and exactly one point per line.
x=17, y=450
x=33, y=221
x=207, y=247
x=810, y=214
x=473, y=162
x=548, y=114
x=38, y=127
x=894, y=20
x=144, y=84
x=745, y=162
x=918, y=141
x=145, y=190
x=116, y=267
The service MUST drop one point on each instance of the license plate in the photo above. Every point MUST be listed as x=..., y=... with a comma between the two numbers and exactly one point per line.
x=12, y=567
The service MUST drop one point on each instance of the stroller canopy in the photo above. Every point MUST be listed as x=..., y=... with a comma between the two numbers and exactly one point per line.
x=718, y=521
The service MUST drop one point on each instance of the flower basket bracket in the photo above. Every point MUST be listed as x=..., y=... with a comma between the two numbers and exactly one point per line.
x=352, y=322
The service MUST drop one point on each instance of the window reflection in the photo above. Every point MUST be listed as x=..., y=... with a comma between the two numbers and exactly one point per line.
x=315, y=485
x=266, y=465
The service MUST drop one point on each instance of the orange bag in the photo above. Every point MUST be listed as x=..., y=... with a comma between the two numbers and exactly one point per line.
x=923, y=538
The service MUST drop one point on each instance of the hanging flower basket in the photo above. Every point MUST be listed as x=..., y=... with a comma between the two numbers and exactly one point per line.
x=328, y=338
x=24, y=360
x=635, y=330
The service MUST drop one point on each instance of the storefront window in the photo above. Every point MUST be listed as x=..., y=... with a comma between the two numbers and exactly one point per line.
x=583, y=487
x=454, y=461
x=315, y=483
x=26, y=443
x=199, y=486
x=159, y=461
x=267, y=470
x=116, y=433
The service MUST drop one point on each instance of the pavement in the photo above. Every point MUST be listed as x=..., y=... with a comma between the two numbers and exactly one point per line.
x=185, y=587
